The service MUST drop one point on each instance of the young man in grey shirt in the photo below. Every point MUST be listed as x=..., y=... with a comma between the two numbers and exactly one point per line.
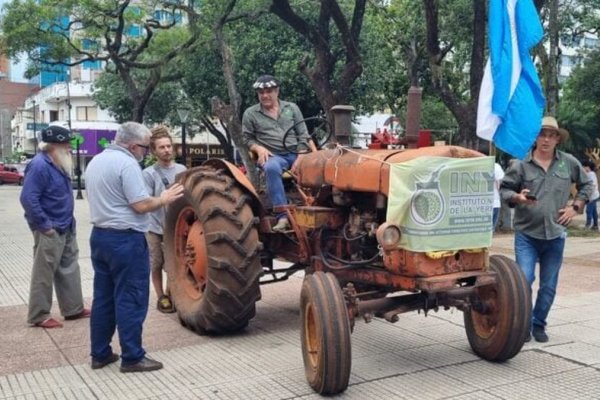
x=158, y=177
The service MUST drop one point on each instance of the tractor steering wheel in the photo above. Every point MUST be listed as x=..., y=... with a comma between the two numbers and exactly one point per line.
x=319, y=131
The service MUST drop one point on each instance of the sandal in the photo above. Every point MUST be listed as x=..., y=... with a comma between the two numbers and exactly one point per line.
x=164, y=305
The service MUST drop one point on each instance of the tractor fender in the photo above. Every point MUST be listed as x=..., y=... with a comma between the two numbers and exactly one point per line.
x=240, y=177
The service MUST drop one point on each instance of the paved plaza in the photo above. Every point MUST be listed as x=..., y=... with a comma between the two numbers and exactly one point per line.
x=416, y=358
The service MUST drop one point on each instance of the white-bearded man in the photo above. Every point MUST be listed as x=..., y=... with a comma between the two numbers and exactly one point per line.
x=47, y=198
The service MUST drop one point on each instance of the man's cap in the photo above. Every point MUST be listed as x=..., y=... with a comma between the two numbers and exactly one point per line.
x=265, y=81
x=550, y=124
x=56, y=134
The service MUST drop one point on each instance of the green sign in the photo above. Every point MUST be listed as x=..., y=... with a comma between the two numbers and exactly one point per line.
x=442, y=203
x=103, y=142
x=78, y=139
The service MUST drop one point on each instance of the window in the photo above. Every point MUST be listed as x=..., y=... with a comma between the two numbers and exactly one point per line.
x=86, y=114
x=590, y=43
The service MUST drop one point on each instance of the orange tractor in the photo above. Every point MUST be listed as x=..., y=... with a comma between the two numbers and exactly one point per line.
x=220, y=247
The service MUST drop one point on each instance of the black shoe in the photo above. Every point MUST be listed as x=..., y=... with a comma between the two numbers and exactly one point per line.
x=101, y=364
x=145, y=364
x=528, y=337
x=539, y=334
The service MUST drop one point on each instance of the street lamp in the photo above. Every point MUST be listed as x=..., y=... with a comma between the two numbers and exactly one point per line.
x=35, y=141
x=78, y=138
x=184, y=114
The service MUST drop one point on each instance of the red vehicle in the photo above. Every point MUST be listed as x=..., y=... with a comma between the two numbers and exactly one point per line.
x=10, y=174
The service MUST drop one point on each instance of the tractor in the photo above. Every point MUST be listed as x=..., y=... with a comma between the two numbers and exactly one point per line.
x=219, y=249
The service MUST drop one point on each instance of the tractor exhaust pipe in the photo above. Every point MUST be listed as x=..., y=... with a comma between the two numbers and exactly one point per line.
x=342, y=123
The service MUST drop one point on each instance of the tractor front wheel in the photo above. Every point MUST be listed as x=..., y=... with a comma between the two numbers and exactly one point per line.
x=498, y=330
x=326, y=347
x=212, y=253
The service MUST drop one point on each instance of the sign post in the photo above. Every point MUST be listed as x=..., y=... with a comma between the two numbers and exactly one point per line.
x=76, y=142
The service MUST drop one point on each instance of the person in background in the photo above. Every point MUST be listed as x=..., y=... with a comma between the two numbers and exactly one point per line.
x=47, y=198
x=263, y=127
x=498, y=175
x=591, y=209
x=119, y=211
x=539, y=187
x=158, y=177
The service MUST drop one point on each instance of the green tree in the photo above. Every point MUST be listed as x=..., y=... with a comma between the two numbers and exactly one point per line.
x=125, y=35
x=333, y=30
x=579, y=109
x=455, y=44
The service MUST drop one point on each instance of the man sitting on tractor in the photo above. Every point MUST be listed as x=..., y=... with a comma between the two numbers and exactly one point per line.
x=263, y=128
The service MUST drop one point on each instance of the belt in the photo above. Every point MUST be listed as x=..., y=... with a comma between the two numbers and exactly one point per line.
x=129, y=230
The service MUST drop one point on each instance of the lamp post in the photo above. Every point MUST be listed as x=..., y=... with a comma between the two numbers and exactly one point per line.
x=184, y=114
x=35, y=142
x=78, y=139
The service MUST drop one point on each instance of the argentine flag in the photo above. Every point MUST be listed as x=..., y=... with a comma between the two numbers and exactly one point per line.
x=511, y=100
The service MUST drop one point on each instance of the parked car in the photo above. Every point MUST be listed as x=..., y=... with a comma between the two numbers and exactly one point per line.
x=11, y=174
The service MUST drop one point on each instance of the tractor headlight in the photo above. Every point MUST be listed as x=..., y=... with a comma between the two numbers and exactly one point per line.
x=388, y=236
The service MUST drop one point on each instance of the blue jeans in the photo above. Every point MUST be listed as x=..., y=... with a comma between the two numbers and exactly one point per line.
x=495, y=215
x=121, y=289
x=273, y=168
x=549, y=253
x=591, y=211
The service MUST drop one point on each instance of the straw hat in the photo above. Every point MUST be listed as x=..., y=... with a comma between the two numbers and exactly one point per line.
x=550, y=123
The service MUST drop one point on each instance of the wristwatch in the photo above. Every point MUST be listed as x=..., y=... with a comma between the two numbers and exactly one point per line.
x=575, y=207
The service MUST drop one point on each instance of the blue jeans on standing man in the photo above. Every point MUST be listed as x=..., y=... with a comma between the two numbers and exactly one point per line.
x=273, y=168
x=549, y=253
x=121, y=289
x=591, y=214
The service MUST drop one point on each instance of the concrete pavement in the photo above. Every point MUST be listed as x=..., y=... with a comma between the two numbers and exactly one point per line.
x=417, y=357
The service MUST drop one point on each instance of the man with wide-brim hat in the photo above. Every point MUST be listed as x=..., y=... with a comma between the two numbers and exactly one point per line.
x=550, y=124
x=538, y=187
x=47, y=198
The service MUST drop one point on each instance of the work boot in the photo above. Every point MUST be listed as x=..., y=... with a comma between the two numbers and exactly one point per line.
x=539, y=334
x=282, y=225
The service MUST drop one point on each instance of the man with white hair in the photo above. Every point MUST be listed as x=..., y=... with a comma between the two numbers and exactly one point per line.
x=119, y=207
x=47, y=198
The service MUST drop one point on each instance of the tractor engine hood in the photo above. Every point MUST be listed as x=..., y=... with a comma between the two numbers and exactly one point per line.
x=364, y=170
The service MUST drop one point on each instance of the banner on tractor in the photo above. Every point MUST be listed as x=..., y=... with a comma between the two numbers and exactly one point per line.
x=442, y=203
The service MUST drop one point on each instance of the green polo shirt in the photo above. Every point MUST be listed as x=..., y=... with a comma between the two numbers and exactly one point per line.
x=552, y=189
x=259, y=128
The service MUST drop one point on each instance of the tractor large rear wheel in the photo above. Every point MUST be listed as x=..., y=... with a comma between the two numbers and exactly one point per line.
x=498, y=332
x=326, y=347
x=212, y=253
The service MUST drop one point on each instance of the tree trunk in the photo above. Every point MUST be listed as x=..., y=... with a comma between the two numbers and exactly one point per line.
x=330, y=87
x=551, y=72
x=234, y=123
x=464, y=111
